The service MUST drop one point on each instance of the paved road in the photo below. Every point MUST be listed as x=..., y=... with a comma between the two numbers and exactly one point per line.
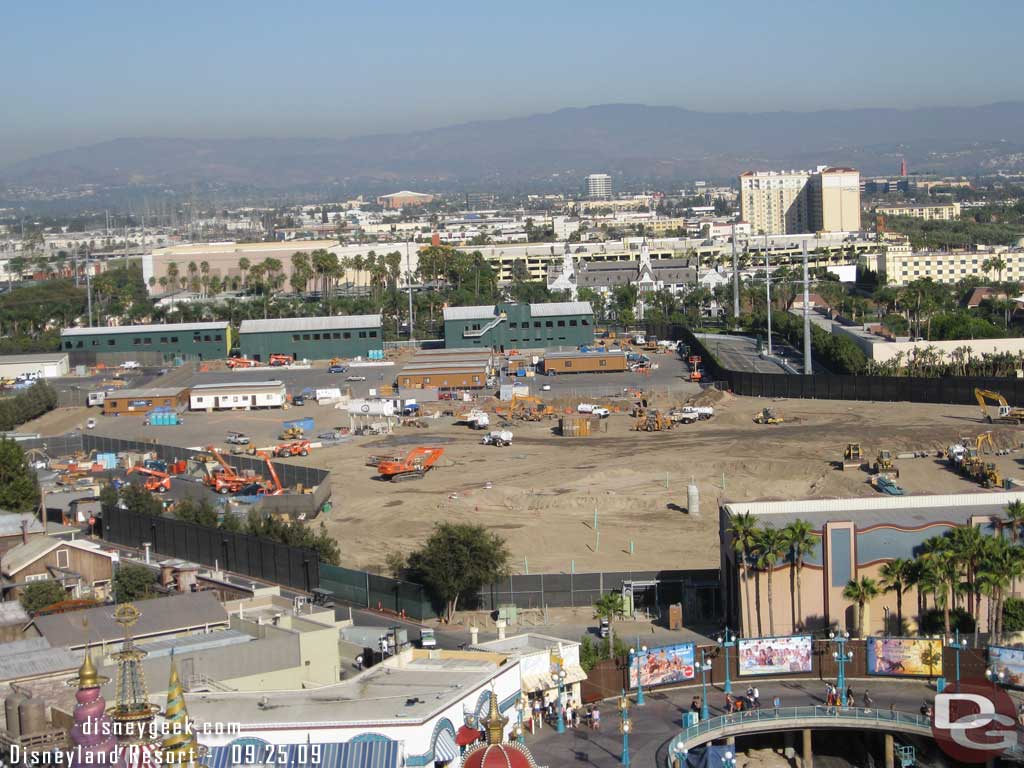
x=661, y=719
x=739, y=353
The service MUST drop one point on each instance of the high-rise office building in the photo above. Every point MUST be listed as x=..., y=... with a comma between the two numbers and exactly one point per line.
x=599, y=186
x=781, y=202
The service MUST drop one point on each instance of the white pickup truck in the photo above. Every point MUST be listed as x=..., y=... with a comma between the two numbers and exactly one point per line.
x=500, y=438
x=477, y=419
x=595, y=410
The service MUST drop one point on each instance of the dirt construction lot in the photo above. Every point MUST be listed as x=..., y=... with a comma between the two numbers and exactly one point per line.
x=545, y=489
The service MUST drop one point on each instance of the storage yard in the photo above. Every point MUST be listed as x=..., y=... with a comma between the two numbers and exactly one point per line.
x=542, y=490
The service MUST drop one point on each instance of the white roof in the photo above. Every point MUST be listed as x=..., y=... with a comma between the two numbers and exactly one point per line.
x=407, y=193
x=478, y=312
x=50, y=357
x=561, y=308
x=332, y=323
x=169, y=328
x=236, y=385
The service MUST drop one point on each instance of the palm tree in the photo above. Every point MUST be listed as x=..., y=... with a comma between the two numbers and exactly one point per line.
x=897, y=576
x=861, y=592
x=769, y=548
x=940, y=558
x=608, y=607
x=995, y=263
x=801, y=542
x=744, y=533
x=243, y=266
x=204, y=271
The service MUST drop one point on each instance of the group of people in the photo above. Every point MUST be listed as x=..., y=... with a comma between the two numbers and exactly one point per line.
x=752, y=700
x=836, y=698
x=574, y=714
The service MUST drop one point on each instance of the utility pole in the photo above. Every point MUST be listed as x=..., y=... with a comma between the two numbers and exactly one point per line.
x=768, y=293
x=88, y=287
x=408, y=271
x=807, y=318
x=735, y=279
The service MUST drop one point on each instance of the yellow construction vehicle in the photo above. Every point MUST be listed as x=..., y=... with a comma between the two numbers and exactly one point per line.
x=768, y=416
x=652, y=421
x=853, y=456
x=884, y=464
x=1007, y=413
x=979, y=445
x=527, y=408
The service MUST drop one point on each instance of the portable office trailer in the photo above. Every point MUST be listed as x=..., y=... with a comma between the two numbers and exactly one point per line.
x=585, y=362
x=141, y=401
x=444, y=376
x=239, y=395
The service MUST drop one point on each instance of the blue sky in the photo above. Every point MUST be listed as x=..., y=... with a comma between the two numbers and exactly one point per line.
x=80, y=72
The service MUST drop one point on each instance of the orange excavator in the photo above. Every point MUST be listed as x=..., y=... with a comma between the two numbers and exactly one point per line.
x=412, y=467
x=226, y=480
x=274, y=487
x=156, y=482
x=297, y=448
x=241, y=363
x=276, y=360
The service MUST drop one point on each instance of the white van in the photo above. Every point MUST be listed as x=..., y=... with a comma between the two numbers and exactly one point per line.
x=95, y=398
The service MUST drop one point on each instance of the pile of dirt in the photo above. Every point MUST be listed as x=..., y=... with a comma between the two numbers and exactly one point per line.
x=711, y=396
x=762, y=758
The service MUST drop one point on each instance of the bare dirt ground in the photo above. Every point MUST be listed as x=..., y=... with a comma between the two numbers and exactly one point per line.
x=546, y=488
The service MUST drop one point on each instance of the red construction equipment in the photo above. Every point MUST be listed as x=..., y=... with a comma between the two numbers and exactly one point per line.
x=276, y=360
x=227, y=480
x=157, y=482
x=241, y=362
x=412, y=467
x=298, y=448
x=274, y=488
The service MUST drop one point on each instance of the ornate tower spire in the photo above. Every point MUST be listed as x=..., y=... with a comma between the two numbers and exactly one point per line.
x=495, y=722
x=133, y=714
x=93, y=741
x=180, y=745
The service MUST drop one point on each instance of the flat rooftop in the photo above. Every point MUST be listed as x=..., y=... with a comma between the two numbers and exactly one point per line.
x=330, y=323
x=237, y=385
x=528, y=642
x=168, y=328
x=382, y=694
x=881, y=510
x=142, y=393
x=49, y=357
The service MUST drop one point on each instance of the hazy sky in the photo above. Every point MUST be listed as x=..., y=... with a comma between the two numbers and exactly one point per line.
x=79, y=72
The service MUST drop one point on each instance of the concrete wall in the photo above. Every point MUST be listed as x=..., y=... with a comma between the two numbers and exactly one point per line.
x=882, y=350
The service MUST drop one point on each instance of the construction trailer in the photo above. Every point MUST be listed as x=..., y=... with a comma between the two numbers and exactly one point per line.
x=444, y=375
x=139, y=402
x=598, y=361
x=237, y=396
x=311, y=338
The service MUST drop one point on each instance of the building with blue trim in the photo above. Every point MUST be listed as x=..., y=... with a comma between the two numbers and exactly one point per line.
x=855, y=538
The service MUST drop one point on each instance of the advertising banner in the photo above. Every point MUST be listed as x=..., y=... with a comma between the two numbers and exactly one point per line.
x=1009, y=661
x=669, y=664
x=775, y=655
x=904, y=656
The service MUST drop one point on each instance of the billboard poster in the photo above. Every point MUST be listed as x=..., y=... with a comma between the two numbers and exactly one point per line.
x=904, y=656
x=668, y=664
x=775, y=655
x=1008, y=661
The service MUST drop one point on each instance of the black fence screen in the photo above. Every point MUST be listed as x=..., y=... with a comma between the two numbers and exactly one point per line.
x=214, y=547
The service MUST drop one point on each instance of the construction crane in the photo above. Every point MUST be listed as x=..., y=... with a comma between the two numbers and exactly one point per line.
x=226, y=480
x=853, y=456
x=1006, y=413
x=274, y=487
x=768, y=416
x=412, y=467
x=156, y=481
x=298, y=448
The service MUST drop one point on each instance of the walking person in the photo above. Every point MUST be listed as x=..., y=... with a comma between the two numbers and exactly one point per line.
x=595, y=717
x=850, y=700
x=728, y=703
x=757, y=698
x=867, y=699
x=777, y=703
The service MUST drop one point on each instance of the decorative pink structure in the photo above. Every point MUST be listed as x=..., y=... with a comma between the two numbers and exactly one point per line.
x=92, y=736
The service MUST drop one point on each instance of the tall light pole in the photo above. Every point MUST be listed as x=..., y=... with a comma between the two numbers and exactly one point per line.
x=560, y=677
x=705, y=667
x=521, y=706
x=727, y=640
x=768, y=292
x=634, y=655
x=624, y=727
x=958, y=645
x=842, y=658
x=729, y=761
x=408, y=270
x=735, y=279
x=807, y=317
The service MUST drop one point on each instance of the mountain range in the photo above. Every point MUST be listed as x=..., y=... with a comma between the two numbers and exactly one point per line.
x=630, y=140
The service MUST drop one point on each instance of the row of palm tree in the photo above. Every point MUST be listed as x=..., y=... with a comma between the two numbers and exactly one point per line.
x=957, y=570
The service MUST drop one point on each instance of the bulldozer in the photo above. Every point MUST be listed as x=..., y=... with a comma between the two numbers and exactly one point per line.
x=768, y=416
x=884, y=464
x=1007, y=413
x=652, y=421
x=853, y=456
x=291, y=433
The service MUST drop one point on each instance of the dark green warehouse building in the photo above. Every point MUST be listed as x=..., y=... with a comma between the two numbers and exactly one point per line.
x=146, y=344
x=311, y=338
x=507, y=326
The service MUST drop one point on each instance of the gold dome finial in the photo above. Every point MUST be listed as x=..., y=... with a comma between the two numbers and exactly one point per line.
x=494, y=722
x=87, y=677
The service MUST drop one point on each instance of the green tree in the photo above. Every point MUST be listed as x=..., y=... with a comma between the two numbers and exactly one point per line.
x=743, y=529
x=1013, y=614
x=19, y=488
x=609, y=606
x=133, y=582
x=800, y=542
x=861, y=592
x=896, y=576
x=41, y=594
x=457, y=559
x=770, y=547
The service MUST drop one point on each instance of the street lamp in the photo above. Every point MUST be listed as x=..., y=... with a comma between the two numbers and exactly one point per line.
x=560, y=677
x=636, y=654
x=705, y=667
x=842, y=657
x=521, y=707
x=727, y=640
x=625, y=726
x=995, y=676
x=729, y=761
x=958, y=645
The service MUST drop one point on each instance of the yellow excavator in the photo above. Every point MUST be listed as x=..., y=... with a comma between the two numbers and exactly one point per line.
x=768, y=416
x=1007, y=412
x=527, y=408
x=853, y=456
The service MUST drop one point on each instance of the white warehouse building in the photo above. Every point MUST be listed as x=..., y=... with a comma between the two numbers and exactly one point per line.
x=243, y=396
x=50, y=365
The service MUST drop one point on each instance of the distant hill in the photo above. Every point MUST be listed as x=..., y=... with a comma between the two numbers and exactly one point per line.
x=632, y=140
